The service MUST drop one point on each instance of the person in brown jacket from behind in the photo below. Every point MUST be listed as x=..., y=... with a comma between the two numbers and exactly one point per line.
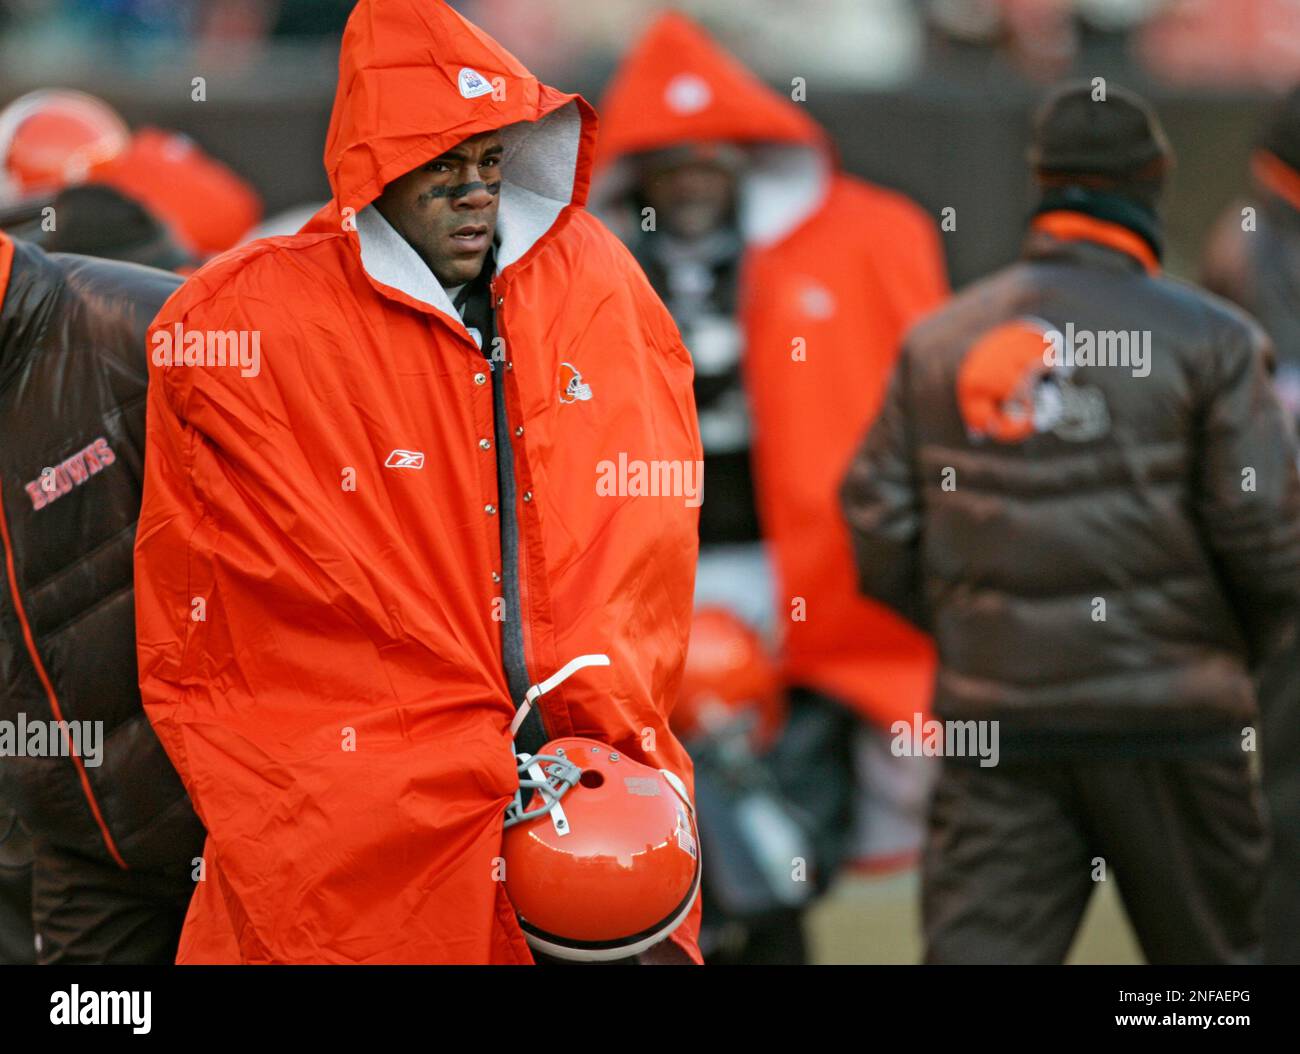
x=1083, y=485
x=1253, y=259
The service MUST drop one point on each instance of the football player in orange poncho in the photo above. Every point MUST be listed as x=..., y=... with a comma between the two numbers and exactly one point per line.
x=375, y=525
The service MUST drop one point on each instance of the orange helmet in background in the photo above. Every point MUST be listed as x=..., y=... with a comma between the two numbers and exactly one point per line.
x=730, y=680
x=54, y=138
x=601, y=852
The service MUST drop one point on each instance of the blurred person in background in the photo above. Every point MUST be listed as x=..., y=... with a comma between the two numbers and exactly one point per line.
x=791, y=283
x=50, y=139
x=96, y=847
x=1106, y=551
x=729, y=714
x=1253, y=258
x=74, y=178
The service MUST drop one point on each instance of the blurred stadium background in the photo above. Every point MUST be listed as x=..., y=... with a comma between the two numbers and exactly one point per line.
x=928, y=96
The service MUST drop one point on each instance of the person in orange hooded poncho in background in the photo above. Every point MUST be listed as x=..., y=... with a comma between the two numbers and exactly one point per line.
x=363, y=542
x=792, y=283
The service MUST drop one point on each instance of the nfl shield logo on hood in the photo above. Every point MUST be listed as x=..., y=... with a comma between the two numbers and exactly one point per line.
x=688, y=93
x=472, y=84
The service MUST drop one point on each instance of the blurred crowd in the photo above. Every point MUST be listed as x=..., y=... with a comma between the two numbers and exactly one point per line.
x=1242, y=43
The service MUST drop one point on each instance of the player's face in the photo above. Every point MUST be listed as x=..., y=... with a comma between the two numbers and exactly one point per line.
x=692, y=199
x=447, y=208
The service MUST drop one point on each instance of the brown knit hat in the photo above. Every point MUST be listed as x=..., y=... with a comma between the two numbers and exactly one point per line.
x=1114, y=144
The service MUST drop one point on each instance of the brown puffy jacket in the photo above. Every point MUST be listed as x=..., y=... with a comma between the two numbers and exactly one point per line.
x=73, y=374
x=1097, y=549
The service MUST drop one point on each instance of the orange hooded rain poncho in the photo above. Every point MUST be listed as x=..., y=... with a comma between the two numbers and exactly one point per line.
x=316, y=562
x=835, y=271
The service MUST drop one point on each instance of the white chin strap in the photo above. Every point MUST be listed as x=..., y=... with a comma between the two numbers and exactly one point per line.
x=555, y=680
x=675, y=781
x=558, y=819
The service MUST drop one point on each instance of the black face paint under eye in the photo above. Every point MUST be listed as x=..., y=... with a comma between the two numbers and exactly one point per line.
x=460, y=190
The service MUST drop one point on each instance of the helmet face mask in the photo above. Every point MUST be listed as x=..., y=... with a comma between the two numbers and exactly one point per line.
x=550, y=776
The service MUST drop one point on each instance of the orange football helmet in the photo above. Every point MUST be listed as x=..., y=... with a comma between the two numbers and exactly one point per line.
x=51, y=139
x=603, y=861
x=730, y=682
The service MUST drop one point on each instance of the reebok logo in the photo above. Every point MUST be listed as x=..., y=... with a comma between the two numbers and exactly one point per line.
x=405, y=459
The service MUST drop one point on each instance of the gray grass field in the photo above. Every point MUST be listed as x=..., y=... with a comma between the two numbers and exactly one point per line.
x=877, y=920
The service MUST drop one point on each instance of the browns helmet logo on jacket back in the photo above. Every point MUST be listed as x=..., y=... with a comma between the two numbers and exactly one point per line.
x=1008, y=390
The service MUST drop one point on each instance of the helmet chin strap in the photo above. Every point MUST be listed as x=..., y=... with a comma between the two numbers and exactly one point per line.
x=555, y=680
x=553, y=779
x=675, y=781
